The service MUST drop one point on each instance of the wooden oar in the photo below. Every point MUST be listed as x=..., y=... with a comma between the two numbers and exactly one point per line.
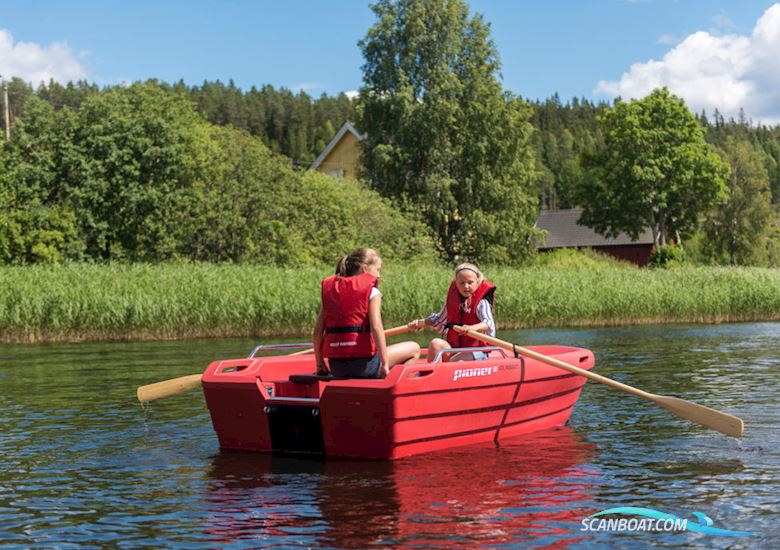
x=183, y=384
x=166, y=388
x=704, y=416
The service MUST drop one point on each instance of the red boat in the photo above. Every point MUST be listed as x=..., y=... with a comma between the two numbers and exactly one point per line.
x=275, y=404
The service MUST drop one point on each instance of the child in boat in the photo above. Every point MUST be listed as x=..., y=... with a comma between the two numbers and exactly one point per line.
x=469, y=303
x=349, y=330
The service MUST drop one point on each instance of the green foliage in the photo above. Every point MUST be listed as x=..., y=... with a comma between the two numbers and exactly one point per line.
x=765, y=140
x=296, y=126
x=136, y=144
x=43, y=168
x=137, y=175
x=35, y=224
x=669, y=256
x=248, y=204
x=698, y=250
x=737, y=228
x=771, y=255
x=38, y=235
x=300, y=126
x=569, y=258
x=70, y=95
x=655, y=170
x=562, y=134
x=443, y=137
x=87, y=301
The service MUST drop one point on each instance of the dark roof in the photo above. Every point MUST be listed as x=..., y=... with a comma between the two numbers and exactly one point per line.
x=563, y=231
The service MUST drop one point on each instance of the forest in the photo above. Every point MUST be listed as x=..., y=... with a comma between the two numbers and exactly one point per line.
x=69, y=195
x=156, y=171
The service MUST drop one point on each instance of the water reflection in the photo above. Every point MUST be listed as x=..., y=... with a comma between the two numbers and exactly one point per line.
x=530, y=488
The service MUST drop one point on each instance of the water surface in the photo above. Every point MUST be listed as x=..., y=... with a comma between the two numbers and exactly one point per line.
x=83, y=464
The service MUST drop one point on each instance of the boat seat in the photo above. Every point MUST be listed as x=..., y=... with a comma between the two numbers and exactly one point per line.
x=309, y=379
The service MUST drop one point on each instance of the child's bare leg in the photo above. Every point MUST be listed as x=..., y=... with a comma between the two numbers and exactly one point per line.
x=403, y=352
x=436, y=345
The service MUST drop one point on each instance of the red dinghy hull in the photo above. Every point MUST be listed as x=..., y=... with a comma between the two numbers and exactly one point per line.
x=275, y=404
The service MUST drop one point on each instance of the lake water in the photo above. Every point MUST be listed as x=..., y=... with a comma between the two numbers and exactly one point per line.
x=83, y=464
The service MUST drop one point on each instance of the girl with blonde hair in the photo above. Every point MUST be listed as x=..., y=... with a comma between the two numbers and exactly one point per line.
x=469, y=303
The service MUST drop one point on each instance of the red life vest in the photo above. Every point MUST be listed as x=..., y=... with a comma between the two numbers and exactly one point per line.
x=456, y=315
x=345, y=310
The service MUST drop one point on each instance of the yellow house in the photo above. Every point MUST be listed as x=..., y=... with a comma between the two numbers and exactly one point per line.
x=342, y=155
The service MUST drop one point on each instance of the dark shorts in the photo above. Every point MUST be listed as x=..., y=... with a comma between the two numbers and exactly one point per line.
x=355, y=367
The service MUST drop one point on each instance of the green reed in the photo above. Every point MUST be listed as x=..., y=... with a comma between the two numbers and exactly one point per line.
x=93, y=302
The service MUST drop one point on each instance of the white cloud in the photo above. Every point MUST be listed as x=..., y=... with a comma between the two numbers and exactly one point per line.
x=668, y=39
x=711, y=71
x=307, y=87
x=352, y=94
x=35, y=63
x=722, y=23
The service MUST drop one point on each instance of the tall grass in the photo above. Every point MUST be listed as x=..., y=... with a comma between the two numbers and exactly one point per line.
x=90, y=302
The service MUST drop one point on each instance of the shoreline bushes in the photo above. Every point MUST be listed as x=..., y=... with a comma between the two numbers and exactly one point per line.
x=136, y=175
x=79, y=302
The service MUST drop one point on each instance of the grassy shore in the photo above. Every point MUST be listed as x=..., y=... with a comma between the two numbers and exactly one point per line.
x=89, y=302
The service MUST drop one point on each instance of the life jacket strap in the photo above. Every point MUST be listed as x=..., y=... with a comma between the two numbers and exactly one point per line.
x=344, y=330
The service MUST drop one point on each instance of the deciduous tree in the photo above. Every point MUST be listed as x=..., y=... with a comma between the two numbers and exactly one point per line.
x=654, y=170
x=443, y=137
x=738, y=227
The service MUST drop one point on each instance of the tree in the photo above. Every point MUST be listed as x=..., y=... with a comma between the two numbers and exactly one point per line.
x=248, y=204
x=738, y=227
x=139, y=147
x=654, y=170
x=36, y=225
x=442, y=136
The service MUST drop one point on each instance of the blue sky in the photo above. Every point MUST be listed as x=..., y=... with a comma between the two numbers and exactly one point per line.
x=714, y=53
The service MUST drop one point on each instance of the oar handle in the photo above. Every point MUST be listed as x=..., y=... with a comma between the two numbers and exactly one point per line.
x=395, y=331
x=389, y=332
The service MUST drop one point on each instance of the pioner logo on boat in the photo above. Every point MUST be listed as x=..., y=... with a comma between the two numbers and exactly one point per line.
x=653, y=520
x=469, y=373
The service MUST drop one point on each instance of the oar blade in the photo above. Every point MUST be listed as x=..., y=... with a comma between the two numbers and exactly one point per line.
x=166, y=388
x=704, y=416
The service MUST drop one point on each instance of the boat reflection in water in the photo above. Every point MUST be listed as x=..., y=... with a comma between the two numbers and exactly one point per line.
x=534, y=488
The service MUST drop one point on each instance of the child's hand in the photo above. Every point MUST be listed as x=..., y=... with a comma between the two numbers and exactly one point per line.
x=322, y=369
x=417, y=324
x=383, y=371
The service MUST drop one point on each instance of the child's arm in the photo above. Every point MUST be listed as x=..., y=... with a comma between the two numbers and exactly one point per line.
x=378, y=332
x=485, y=315
x=436, y=320
x=316, y=337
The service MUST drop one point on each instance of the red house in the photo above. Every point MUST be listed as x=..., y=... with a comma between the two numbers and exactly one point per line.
x=564, y=231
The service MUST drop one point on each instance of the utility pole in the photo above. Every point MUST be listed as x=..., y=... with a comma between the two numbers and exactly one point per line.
x=6, y=114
